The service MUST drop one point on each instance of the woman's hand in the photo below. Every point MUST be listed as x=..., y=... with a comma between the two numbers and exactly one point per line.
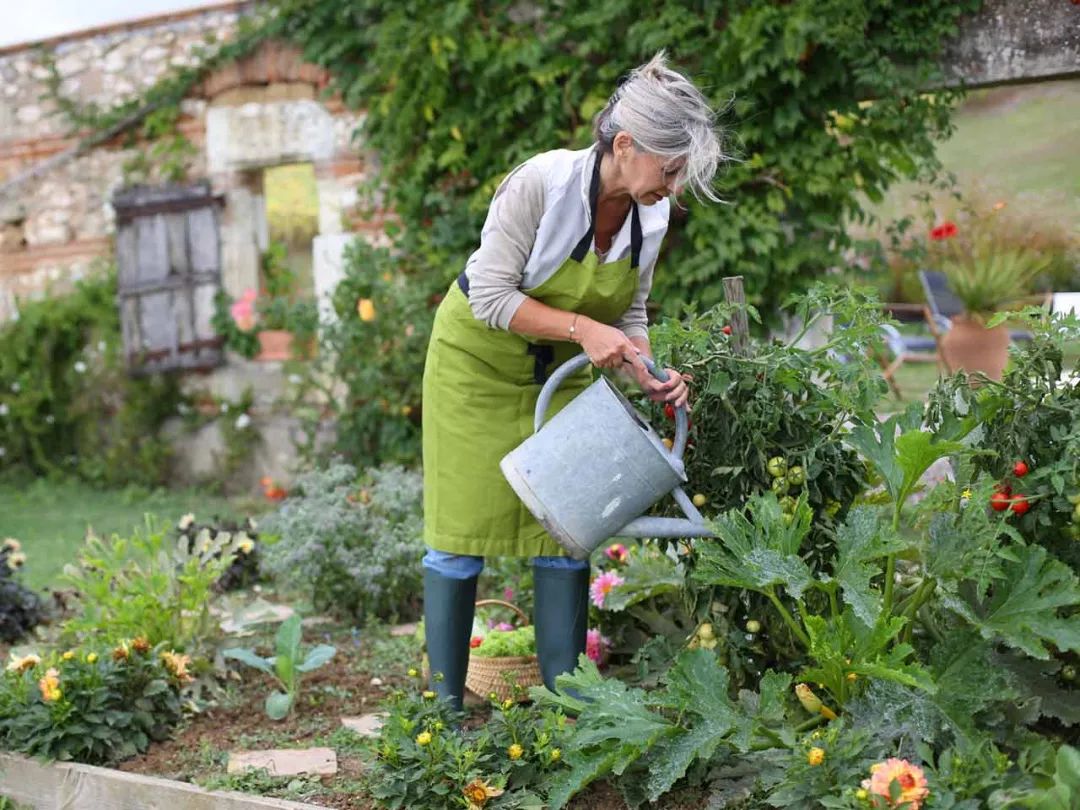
x=676, y=390
x=608, y=347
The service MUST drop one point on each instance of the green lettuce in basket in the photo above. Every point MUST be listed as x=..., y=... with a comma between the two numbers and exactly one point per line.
x=505, y=643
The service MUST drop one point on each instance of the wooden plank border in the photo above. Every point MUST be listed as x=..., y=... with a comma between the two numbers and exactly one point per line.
x=70, y=786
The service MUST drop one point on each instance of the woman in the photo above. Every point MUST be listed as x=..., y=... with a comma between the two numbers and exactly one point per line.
x=565, y=265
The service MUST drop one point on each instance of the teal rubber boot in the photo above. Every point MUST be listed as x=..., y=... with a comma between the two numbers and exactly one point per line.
x=449, y=605
x=561, y=618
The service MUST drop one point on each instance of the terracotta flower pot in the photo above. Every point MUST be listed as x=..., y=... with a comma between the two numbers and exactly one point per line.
x=970, y=346
x=274, y=344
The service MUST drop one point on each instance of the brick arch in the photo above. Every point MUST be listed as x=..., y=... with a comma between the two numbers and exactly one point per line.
x=272, y=62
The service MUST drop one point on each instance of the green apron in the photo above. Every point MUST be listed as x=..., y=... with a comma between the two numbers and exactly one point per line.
x=480, y=390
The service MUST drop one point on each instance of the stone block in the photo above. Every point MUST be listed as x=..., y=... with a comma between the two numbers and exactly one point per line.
x=366, y=725
x=328, y=269
x=285, y=762
x=267, y=134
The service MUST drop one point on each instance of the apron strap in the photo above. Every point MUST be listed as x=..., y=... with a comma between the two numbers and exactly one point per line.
x=582, y=247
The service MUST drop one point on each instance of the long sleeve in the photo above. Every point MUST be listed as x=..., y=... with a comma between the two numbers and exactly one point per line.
x=495, y=270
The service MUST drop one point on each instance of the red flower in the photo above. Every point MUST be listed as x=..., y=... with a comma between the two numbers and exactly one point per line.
x=946, y=230
x=475, y=642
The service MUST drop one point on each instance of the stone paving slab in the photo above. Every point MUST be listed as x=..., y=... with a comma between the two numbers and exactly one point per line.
x=285, y=761
x=366, y=725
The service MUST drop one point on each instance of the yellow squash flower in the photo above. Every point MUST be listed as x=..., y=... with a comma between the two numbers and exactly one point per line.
x=812, y=703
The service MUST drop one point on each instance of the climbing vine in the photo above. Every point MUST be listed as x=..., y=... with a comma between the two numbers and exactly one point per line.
x=825, y=105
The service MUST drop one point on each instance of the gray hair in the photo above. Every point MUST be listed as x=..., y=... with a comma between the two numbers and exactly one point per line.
x=666, y=115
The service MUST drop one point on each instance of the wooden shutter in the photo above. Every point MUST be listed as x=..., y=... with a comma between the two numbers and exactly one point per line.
x=168, y=255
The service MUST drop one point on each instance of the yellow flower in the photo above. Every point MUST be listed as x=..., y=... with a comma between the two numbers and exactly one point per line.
x=967, y=493
x=508, y=703
x=428, y=695
x=414, y=672
x=11, y=544
x=15, y=560
x=423, y=738
x=20, y=665
x=851, y=676
x=68, y=655
x=515, y=751
x=50, y=686
x=815, y=756
x=176, y=665
x=478, y=791
x=365, y=308
x=862, y=794
x=91, y=658
x=812, y=703
x=556, y=754
x=246, y=546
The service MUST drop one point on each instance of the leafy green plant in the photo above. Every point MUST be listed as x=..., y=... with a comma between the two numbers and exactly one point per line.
x=987, y=282
x=150, y=585
x=351, y=541
x=499, y=643
x=286, y=666
x=90, y=706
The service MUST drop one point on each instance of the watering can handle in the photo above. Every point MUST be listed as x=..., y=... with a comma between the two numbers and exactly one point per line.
x=579, y=362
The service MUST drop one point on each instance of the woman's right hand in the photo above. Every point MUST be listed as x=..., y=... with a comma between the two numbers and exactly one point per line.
x=608, y=347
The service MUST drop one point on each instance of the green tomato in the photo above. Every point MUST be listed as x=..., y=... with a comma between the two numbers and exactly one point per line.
x=780, y=486
x=753, y=626
x=1068, y=672
x=788, y=504
x=777, y=466
x=796, y=476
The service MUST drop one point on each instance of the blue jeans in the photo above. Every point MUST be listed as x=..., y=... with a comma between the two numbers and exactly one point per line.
x=466, y=566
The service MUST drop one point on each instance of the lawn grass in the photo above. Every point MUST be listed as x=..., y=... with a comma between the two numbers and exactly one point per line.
x=51, y=518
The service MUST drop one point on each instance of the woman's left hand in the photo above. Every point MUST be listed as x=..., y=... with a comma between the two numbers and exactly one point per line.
x=675, y=390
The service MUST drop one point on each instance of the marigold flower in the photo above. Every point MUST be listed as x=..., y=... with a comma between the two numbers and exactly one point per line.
x=428, y=695
x=478, y=791
x=414, y=672
x=141, y=645
x=176, y=665
x=50, y=686
x=912, y=781
x=862, y=794
x=617, y=553
x=15, y=560
x=20, y=665
x=602, y=585
x=423, y=738
x=815, y=756
x=556, y=754
x=508, y=703
x=121, y=653
x=91, y=658
x=515, y=751
x=67, y=656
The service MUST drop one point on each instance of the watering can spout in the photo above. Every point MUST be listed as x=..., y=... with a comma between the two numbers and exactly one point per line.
x=693, y=525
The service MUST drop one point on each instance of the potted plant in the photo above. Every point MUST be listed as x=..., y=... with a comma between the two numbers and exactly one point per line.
x=986, y=277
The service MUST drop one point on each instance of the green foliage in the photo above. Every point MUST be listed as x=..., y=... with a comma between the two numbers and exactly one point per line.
x=419, y=760
x=67, y=404
x=456, y=98
x=87, y=706
x=378, y=355
x=352, y=542
x=286, y=666
x=149, y=585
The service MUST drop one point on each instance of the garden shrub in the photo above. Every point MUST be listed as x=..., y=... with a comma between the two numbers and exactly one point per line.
x=21, y=609
x=96, y=705
x=150, y=585
x=352, y=541
x=67, y=403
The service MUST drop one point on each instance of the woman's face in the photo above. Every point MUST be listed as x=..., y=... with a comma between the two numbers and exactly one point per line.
x=647, y=177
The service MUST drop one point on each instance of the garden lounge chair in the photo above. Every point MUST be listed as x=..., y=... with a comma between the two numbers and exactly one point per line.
x=906, y=349
x=943, y=305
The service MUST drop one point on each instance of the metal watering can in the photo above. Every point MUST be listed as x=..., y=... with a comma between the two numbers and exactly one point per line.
x=591, y=472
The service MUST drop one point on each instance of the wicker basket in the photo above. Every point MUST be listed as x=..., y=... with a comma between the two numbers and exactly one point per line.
x=499, y=675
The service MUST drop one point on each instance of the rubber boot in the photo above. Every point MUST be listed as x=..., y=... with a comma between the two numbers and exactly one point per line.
x=561, y=618
x=449, y=605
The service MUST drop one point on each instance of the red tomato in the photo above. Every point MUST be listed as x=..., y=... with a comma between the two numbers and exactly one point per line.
x=1020, y=469
x=999, y=501
x=1020, y=505
x=669, y=411
x=726, y=330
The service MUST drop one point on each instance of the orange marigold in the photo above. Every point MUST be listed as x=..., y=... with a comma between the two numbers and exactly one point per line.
x=141, y=645
x=50, y=686
x=912, y=781
x=478, y=791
